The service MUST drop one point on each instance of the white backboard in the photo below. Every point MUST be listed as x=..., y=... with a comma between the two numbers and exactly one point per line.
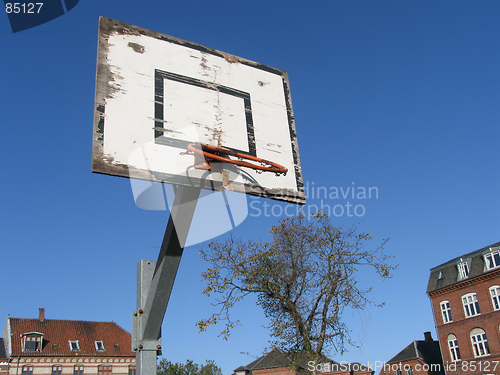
x=155, y=94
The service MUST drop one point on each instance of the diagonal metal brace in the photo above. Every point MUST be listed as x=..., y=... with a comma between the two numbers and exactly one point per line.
x=156, y=280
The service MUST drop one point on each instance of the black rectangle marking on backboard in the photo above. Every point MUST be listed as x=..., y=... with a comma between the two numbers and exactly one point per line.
x=159, y=101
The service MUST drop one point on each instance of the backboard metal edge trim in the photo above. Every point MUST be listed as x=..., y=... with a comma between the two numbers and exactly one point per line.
x=110, y=25
x=124, y=171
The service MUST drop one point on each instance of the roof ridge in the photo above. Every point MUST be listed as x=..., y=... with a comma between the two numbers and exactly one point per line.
x=467, y=254
x=417, y=353
x=66, y=320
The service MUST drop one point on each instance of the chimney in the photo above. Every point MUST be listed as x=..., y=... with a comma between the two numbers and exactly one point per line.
x=428, y=337
x=41, y=314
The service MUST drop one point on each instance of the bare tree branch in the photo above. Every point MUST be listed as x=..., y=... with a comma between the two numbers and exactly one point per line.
x=304, y=279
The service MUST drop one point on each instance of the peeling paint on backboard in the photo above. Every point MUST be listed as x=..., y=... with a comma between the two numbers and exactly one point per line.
x=157, y=94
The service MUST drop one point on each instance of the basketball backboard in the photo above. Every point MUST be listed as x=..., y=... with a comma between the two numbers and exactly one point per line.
x=156, y=94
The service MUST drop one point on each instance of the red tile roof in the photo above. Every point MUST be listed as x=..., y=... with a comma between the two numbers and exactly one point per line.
x=58, y=333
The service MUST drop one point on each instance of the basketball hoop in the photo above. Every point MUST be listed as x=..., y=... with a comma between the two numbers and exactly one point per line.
x=204, y=154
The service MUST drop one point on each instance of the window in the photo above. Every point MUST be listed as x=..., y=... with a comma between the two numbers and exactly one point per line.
x=453, y=347
x=398, y=372
x=78, y=370
x=463, y=269
x=446, y=311
x=56, y=370
x=99, y=346
x=131, y=370
x=73, y=345
x=471, y=305
x=440, y=276
x=27, y=370
x=408, y=370
x=104, y=370
x=479, y=342
x=33, y=342
x=495, y=296
x=492, y=259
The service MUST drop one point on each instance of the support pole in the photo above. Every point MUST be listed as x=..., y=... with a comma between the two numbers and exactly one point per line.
x=155, y=281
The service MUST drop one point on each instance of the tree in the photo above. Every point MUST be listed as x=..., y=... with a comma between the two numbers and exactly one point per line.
x=166, y=367
x=304, y=278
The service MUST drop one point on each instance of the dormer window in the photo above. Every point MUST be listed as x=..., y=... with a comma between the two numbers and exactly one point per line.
x=33, y=342
x=463, y=269
x=73, y=345
x=492, y=259
x=99, y=346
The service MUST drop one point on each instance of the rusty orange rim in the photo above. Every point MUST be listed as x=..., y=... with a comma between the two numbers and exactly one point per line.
x=222, y=154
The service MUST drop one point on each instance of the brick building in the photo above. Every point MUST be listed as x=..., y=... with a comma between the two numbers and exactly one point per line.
x=65, y=347
x=421, y=357
x=4, y=363
x=465, y=298
x=277, y=362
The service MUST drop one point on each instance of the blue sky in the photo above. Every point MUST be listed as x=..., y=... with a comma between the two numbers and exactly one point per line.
x=401, y=96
